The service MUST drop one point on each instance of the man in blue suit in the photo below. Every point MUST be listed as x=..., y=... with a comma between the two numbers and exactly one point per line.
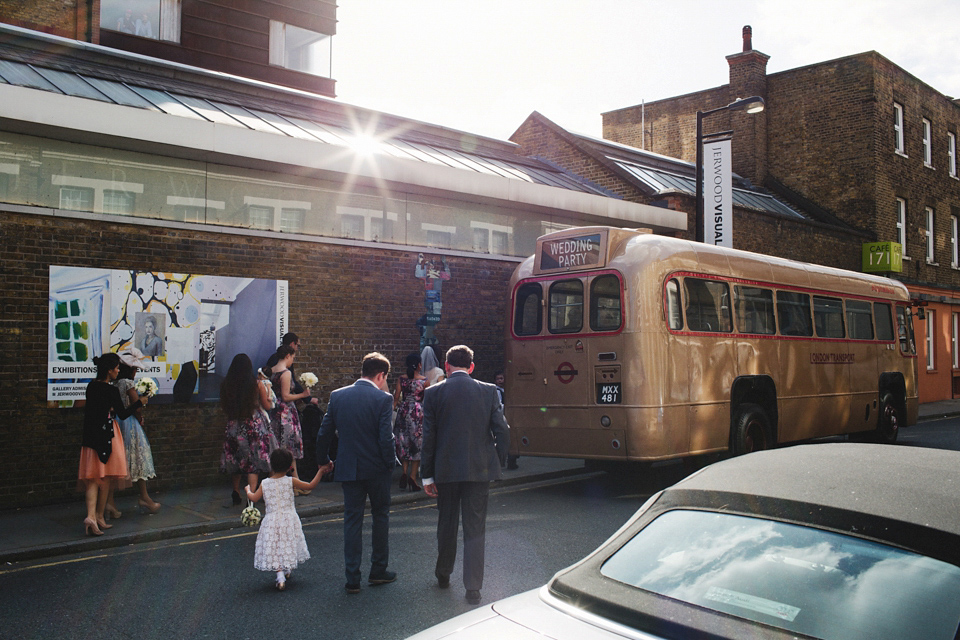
x=465, y=442
x=362, y=416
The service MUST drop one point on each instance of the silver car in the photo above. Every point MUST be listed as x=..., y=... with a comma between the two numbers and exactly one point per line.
x=835, y=541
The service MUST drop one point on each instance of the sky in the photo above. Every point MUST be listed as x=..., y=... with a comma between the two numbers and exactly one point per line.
x=482, y=66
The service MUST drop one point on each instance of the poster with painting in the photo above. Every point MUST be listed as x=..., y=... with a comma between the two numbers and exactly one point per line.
x=174, y=319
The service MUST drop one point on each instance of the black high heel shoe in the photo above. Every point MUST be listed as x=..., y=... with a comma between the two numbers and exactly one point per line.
x=403, y=481
x=236, y=498
x=414, y=487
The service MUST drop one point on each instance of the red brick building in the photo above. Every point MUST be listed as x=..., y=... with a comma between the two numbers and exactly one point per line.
x=858, y=139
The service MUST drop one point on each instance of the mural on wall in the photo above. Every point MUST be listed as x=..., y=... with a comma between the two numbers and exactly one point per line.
x=174, y=319
x=433, y=272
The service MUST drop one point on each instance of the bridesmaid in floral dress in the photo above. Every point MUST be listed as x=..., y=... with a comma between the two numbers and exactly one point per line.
x=139, y=454
x=408, y=428
x=249, y=438
x=285, y=419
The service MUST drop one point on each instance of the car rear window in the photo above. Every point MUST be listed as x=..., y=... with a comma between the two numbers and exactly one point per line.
x=797, y=578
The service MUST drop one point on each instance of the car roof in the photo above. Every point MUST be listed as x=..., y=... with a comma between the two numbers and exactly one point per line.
x=914, y=485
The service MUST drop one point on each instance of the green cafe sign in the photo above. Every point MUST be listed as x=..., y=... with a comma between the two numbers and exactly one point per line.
x=882, y=257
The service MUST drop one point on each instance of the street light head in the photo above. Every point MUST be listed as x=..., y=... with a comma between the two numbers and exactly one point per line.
x=753, y=104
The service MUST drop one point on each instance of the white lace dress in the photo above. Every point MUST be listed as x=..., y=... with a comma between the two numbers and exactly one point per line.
x=280, y=542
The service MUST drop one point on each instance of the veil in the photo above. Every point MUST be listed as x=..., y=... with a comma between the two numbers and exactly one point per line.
x=430, y=365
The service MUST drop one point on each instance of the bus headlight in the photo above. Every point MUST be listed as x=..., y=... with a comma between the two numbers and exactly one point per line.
x=605, y=422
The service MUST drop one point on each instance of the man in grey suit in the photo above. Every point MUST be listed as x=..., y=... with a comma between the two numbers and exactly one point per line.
x=362, y=416
x=465, y=442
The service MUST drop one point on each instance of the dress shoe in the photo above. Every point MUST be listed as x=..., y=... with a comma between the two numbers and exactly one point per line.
x=413, y=485
x=281, y=586
x=403, y=481
x=235, y=498
x=90, y=527
x=111, y=512
x=382, y=578
x=473, y=596
x=443, y=582
x=146, y=507
x=352, y=588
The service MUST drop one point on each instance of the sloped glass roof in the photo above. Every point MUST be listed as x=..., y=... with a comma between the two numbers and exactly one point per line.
x=200, y=108
x=663, y=181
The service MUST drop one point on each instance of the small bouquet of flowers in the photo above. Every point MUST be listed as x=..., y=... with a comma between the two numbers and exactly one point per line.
x=308, y=379
x=147, y=387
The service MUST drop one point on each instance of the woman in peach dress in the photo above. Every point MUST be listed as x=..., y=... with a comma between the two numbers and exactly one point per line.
x=103, y=461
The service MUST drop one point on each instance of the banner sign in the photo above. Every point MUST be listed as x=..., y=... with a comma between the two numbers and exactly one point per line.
x=717, y=193
x=574, y=252
x=188, y=327
x=882, y=257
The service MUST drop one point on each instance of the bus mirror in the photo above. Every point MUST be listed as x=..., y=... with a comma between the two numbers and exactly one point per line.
x=920, y=314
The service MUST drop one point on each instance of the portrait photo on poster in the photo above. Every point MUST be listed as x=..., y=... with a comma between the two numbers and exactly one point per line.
x=148, y=334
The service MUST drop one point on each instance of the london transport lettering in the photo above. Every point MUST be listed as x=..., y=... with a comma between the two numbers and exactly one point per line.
x=831, y=358
x=580, y=251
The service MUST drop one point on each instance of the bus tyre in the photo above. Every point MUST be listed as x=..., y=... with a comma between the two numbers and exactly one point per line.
x=751, y=430
x=888, y=423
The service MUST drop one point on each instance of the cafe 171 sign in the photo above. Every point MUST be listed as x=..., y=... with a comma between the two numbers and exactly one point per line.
x=882, y=257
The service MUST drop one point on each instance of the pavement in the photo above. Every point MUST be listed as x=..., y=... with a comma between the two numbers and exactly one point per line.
x=32, y=533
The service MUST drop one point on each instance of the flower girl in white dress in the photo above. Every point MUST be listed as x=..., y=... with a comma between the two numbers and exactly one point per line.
x=280, y=542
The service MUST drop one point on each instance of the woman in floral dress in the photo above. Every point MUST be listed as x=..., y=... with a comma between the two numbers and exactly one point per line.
x=139, y=454
x=249, y=439
x=408, y=428
x=285, y=418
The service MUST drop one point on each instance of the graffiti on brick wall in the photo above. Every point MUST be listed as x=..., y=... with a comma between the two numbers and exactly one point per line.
x=179, y=322
x=433, y=271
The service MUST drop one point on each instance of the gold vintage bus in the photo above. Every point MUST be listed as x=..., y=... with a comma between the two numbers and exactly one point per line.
x=624, y=345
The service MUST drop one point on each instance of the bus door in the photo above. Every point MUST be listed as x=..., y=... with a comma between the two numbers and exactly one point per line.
x=525, y=379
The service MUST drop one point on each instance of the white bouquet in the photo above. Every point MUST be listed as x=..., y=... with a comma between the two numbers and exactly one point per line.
x=308, y=379
x=147, y=387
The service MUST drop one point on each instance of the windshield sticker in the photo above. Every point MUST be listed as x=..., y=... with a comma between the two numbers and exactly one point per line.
x=754, y=603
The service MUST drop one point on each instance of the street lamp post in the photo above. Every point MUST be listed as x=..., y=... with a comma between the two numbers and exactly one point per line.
x=750, y=105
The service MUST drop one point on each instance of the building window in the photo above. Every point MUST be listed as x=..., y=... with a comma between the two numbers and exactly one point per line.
x=955, y=336
x=260, y=217
x=300, y=49
x=898, y=128
x=902, y=225
x=154, y=19
x=927, y=143
x=929, y=232
x=118, y=201
x=954, y=241
x=952, y=153
x=291, y=220
x=930, y=333
x=76, y=198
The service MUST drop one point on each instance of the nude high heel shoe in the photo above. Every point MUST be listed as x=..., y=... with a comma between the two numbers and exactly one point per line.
x=90, y=527
x=145, y=507
x=111, y=512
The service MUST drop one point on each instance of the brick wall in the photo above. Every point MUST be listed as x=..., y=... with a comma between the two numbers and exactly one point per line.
x=65, y=18
x=344, y=303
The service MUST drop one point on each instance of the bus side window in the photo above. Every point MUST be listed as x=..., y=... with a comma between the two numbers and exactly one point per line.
x=754, y=310
x=793, y=314
x=528, y=310
x=708, y=305
x=859, y=320
x=883, y=320
x=605, y=304
x=828, y=317
x=566, y=306
x=905, y=331
x=674, y=317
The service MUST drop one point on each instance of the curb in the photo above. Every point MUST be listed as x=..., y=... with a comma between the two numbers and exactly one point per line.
x=201, y=528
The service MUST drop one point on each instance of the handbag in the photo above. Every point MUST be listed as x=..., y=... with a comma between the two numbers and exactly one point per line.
x=250, y=516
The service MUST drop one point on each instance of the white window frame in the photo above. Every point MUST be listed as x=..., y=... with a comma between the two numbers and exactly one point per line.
x=931, y=361
x=954, y=243
x=952, y=153
x=902, y=226
x=927, y=143
x=898, y=129
x=955, y=338
x=278, y=53
x=929, y=232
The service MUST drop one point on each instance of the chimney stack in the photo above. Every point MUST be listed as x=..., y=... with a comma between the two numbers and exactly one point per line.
x=747, y=38
x=748, y=77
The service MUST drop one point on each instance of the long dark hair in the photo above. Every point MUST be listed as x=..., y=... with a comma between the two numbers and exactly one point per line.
x=412, y=362
x=239, y=396
x=105, y=364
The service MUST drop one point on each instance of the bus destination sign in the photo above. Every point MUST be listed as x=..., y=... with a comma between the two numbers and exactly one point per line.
x=576, y=252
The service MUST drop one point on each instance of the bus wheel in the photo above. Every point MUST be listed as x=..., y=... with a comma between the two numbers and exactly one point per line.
x=888, y=424
x=751, y=430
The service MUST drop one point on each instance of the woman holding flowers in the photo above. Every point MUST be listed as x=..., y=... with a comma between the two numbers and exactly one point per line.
x=139, y=455
x=249, y=438
x=286, y=419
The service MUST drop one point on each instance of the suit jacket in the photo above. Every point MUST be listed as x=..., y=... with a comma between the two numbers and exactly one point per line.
x=362, y=415
x=465, y=436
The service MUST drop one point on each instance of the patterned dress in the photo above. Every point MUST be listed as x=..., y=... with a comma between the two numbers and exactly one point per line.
x=139, y=455
x=408, y=429
x=286, y=419
x=280, y=542
x=247, y=445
